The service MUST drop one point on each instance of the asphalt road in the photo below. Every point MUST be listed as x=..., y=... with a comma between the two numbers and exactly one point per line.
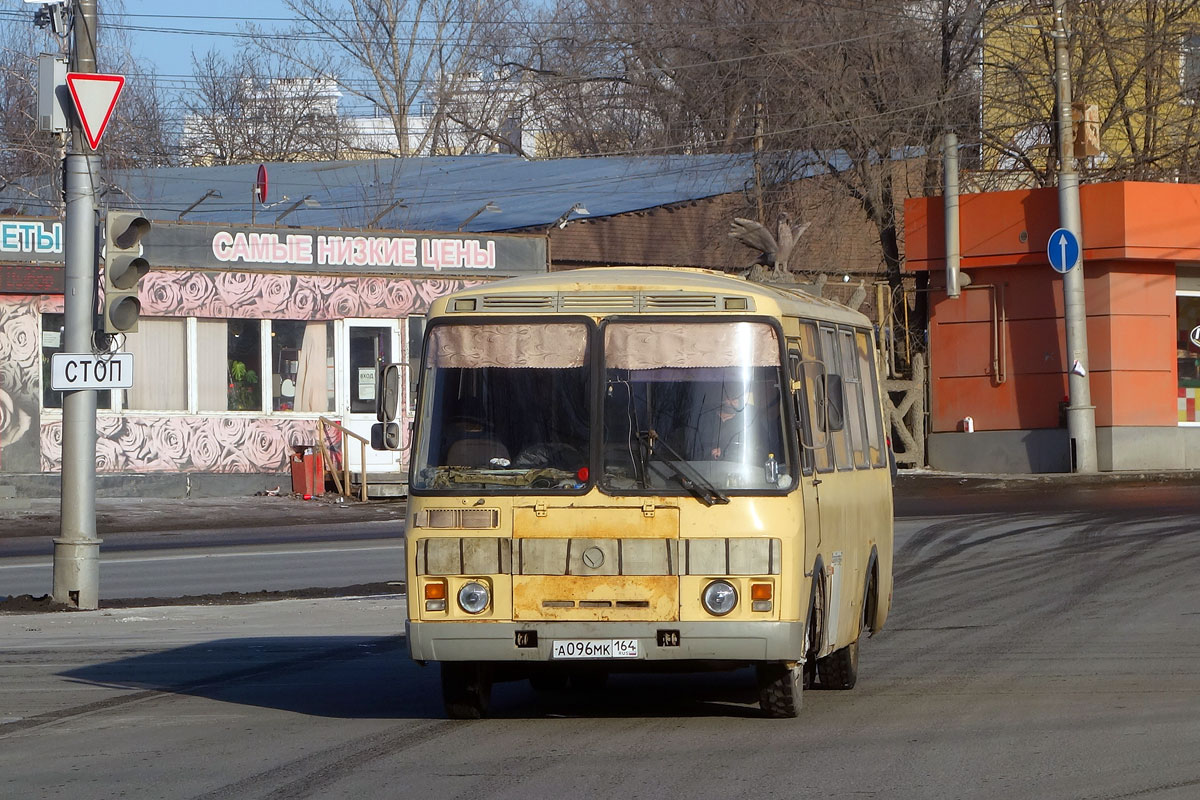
x=251, y=559
x=1032, y=652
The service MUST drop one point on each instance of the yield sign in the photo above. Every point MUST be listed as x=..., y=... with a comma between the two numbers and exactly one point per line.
x=95, y=97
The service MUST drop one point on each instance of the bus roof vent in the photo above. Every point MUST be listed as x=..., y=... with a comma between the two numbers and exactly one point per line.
x=597, y=301
x=680, y=301
x=517, y=302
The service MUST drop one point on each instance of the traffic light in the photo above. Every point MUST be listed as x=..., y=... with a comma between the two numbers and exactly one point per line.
x=124, y=266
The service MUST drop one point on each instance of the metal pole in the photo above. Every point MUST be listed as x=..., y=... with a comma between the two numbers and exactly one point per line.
x=1081, y=414
x=950, y=199
x=77, y=550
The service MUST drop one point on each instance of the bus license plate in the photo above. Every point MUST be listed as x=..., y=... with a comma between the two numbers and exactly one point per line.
x=594, y=648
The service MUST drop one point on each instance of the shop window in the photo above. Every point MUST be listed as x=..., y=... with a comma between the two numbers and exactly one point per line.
x=159, y=348
x=301, y=366
x=52, y=342
x=1187, y=352
x=229, y=365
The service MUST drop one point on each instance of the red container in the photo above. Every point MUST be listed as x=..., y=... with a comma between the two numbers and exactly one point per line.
x=307, y=475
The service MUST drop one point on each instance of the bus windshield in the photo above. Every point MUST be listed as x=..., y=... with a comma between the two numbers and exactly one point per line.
x=693, y=404
x=504, y=406
x=688, y=407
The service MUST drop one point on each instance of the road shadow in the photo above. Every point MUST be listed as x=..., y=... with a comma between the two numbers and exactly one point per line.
x=351, y=677
x=637, y=695
x=344, y=677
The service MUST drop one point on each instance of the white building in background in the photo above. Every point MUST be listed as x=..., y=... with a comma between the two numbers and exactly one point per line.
x=300, y=119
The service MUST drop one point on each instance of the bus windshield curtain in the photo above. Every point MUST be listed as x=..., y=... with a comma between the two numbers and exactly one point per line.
x=658, y=345
x=547, y=346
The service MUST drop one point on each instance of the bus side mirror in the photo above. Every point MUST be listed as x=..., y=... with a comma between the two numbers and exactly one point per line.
x=835, y=402
x=387, y=402
x=385, y=436
x=814, y=430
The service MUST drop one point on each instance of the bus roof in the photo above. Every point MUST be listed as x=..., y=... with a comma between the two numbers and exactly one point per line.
x=615, y=290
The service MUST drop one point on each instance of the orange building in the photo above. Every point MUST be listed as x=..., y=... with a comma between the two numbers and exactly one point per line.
x=997, y=354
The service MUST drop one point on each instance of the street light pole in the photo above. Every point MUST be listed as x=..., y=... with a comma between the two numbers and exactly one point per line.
x=1081, y=414
x=77, y=549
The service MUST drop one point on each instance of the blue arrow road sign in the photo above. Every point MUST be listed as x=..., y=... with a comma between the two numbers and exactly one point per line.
x=1063, y=250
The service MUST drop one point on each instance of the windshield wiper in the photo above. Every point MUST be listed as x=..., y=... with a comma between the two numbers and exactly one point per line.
x=697, y=484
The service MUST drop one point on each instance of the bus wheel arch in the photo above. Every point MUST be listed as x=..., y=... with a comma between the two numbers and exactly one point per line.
x=814, y=622
x=839, y=669
x=871, y=595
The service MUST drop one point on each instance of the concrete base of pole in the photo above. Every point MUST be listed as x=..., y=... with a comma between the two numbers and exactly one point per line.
x=76, y=573
x=1081, y=426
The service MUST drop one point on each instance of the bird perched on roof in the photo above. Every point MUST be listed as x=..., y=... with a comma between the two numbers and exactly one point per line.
x=774, y=252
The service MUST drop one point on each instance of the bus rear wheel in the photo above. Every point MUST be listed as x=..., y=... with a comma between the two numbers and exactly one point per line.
x=466, y=689
x=780, y=689
x=839, y=669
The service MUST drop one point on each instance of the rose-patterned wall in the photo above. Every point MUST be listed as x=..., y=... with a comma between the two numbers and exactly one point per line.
x=144, y=442
x=221, y=295
x=20, y=382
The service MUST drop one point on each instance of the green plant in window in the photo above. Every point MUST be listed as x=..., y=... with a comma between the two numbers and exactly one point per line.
x=243, y=387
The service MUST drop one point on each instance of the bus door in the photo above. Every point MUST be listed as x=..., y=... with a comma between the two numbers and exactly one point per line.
x=805, y=374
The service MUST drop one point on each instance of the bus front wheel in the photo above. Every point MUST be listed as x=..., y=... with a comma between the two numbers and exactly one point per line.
x=780, y=689
x=466, y=689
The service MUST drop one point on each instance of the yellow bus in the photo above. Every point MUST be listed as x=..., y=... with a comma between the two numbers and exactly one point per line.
x=645, y=468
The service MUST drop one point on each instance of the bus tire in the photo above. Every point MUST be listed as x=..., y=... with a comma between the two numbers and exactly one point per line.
x=466, y=689
x=780, y=689
x=839, y=669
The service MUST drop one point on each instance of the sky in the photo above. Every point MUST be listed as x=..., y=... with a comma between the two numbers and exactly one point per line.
x=171, y=52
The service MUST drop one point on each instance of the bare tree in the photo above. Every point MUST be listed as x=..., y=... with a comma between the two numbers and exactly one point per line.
x=242, y=113
x=26, y=152
x=859, y=92
x=137, y=135
x=392, y=53
x=1139, y=63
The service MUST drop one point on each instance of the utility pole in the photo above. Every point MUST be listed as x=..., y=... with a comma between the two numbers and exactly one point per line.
x=1081, y=414
x=77, y=549
x=954, y=279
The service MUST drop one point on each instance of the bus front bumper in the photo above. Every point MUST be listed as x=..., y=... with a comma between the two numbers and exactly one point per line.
x=657, y=641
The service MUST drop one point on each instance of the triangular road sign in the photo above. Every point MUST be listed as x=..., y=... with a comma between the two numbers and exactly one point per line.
x=95, y=97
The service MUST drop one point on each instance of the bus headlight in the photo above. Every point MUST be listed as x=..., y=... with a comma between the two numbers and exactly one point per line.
x=719, y=598
x=473, y=597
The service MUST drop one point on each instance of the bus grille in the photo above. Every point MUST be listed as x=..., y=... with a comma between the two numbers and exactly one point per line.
x=613, y=302
x=484, y=555
x=680, y=302
x=597, y=302
x=517, y=302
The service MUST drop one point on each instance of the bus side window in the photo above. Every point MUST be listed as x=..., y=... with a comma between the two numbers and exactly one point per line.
x=853, y=386
x=811, y=369
x=870, y=379
x=833, y=393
